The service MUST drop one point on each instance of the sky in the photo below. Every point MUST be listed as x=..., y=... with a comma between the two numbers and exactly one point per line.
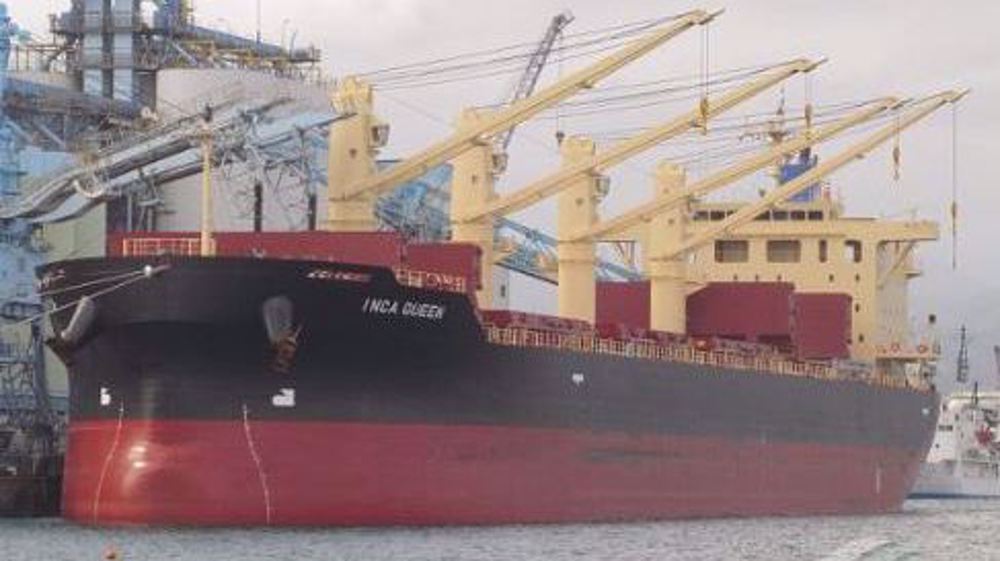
x=875, y=48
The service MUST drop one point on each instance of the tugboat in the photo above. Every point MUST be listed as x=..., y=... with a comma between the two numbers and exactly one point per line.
x=964, y=460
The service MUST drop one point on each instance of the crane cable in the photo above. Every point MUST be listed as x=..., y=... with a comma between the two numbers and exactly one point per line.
x=897, y=152
x=808, y=110
x=474, y=66
x=727, y=153
x=560, y=133
x=739, y=124
x=526, y=49
x=703, y=85
x=954, y=186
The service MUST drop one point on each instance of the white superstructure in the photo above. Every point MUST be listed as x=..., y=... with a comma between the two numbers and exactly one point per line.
x=964, y=460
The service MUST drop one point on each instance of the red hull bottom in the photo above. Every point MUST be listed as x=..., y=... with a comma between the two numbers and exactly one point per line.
x=218, y=473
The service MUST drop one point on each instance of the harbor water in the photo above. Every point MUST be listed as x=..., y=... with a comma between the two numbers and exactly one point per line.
x=926, y=530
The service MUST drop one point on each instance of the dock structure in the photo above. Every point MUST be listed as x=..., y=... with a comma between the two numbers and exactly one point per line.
x=69, y=108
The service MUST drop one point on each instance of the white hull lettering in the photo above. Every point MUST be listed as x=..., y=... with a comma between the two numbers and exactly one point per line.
x=421, y=310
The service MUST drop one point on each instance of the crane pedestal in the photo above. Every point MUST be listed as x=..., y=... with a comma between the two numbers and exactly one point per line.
x=354, y=144
x=667, y=275
x=578, y=212
x=472, y=187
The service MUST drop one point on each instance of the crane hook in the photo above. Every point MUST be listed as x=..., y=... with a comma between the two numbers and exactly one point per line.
x=897, y=158
x=703, y=110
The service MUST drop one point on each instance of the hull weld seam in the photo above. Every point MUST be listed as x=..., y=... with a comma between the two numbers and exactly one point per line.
x=107, y=462
x=258, y=464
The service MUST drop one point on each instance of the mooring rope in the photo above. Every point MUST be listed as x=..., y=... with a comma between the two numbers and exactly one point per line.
x=145, y=273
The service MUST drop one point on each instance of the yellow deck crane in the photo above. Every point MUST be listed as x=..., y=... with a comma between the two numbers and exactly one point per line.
x=670, y=246
x=475, y=205
x=748, y=213
x=666, y=216
x=354, y=183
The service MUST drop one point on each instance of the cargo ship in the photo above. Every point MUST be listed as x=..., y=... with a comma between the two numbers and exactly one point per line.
x=763, y=365
x=248, y=391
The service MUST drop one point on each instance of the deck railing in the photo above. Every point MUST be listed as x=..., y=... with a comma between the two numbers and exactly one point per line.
x=145, y=247
x=650, y=350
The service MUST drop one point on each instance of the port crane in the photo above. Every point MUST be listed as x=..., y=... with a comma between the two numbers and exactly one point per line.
x=24, y=396
x=528, y=81
x=354, y=143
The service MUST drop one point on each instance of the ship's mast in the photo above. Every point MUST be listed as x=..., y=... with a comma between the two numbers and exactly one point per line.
x=207, y=246
x=996, y=357
x=962, y=368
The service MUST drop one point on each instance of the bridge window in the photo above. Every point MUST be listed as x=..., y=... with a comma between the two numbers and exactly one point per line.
x=732, y=251
x=852, y=251
x=784, y=251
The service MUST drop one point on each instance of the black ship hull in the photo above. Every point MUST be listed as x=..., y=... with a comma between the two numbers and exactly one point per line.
x=242, y=391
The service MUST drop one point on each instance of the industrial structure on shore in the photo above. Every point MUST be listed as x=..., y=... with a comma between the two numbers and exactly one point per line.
x=87, y=133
